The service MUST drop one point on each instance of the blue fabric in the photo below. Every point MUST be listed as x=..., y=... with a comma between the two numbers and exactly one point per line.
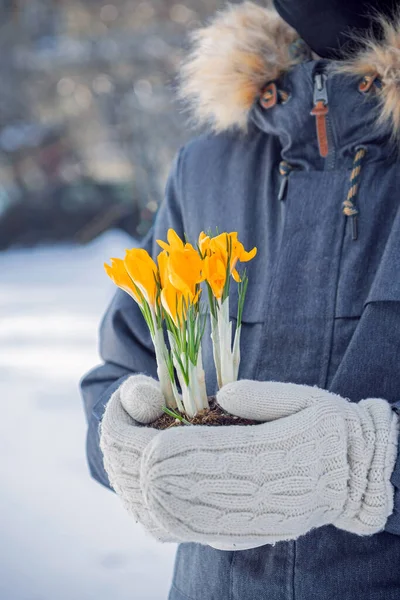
x=322, y=309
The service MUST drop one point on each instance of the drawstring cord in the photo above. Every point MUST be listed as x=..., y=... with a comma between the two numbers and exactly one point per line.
x=349, y=205
x=284, y=169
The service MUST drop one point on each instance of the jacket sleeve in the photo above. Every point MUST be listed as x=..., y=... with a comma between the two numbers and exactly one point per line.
x=373, y=353
x=125, y=343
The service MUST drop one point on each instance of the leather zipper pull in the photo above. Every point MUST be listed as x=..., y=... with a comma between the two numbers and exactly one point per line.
x=320, y=112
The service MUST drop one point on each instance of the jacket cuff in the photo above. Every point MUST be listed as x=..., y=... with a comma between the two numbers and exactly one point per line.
x=93, y=451
x=393, y=522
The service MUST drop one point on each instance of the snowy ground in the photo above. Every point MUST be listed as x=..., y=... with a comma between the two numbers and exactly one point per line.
x=62, y=536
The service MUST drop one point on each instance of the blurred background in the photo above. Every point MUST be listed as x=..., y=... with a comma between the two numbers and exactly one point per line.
x=88, y=126
x=88, y=129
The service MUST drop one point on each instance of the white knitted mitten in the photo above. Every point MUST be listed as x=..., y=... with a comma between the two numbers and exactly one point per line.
x=320, y=460
x=123, y=439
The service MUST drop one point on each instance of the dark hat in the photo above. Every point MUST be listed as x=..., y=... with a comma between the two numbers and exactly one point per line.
x=331, y=27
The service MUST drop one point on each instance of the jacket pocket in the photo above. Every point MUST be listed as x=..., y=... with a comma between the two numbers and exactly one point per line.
x=369, y=366
x=386, y=287
x=363, y=322
x=369, y=271
x=254, y=309
x=251, y=335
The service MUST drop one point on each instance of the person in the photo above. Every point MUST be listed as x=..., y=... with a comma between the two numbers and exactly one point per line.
x=301, y=158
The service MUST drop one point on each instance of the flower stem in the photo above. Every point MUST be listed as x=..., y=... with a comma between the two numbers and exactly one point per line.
x=164, y=372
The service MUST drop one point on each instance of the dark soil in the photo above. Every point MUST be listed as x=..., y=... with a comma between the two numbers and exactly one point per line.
x=211, y=417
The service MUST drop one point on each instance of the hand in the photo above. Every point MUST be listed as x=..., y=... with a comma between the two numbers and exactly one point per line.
x=319, y=460
x=123, y=440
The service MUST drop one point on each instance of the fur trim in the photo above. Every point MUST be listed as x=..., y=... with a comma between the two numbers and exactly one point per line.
x=246, y=46
x=381, y=57
x=243, y=48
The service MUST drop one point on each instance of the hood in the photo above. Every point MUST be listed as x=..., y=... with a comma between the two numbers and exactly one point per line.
x=246, y=46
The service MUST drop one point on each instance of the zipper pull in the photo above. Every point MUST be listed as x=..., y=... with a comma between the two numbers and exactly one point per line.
x=284, y=169
x=320, y=112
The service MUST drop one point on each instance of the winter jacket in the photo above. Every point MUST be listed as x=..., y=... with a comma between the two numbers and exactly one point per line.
x=303, y=162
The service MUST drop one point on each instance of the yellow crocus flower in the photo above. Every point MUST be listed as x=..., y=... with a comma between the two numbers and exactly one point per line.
x=239, y=253
x=215, y=273
x=174, y=242
x=118, y=275
x=204, y=243
x=221, y=242
x=185, y=270
x=226, y=245
x=172, y=302
x=143, y=271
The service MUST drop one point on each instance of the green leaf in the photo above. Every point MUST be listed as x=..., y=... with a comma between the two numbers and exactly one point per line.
x=212, y=301
x=175, y=415
x=242, y=291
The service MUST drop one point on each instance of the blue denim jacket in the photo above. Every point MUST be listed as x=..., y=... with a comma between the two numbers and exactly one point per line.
x=322, y=309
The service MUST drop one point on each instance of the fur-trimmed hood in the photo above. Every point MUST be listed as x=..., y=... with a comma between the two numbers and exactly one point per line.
x=246, y=46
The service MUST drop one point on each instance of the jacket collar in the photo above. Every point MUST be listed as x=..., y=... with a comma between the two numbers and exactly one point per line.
x=246, y=46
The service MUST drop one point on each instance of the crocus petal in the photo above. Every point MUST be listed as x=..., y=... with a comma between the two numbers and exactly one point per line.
x=234, y=261
x=172, y=302
x=204, y=243
x=179, y=284
x=120, y=277
x=236, y=276
x=163, y=245
x=219, y=244
x=185, y=270
x=163, y=260
x=197, y=296
x=174, y=240
x=143, y=271
x=215, y=273
x=246, y=256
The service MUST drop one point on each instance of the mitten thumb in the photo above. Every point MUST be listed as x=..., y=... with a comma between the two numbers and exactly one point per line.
x=267, y=400
x=142, y=399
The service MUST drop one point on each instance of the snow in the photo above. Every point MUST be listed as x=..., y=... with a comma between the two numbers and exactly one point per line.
x=63, y=536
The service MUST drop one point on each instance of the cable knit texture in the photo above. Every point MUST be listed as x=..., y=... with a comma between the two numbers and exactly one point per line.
x=324, y=460
x=123, y=440
x=141, y=398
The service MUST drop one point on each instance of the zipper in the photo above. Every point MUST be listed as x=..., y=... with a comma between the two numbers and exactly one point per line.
x=321, y=114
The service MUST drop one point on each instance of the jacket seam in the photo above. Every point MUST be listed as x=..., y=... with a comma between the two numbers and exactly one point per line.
x=326, y=364
x=294, y=570
x=231, y=576
x=181, y=159
x=271, y=287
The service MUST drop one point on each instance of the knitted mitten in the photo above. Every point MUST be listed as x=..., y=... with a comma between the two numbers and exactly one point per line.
x=320, y=460
x=123, y=439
